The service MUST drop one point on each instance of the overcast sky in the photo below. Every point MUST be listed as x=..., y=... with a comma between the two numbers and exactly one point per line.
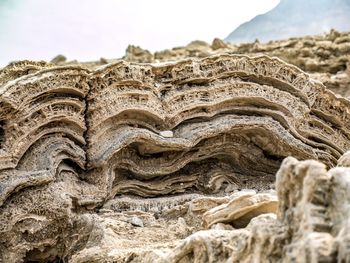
x=90, y=29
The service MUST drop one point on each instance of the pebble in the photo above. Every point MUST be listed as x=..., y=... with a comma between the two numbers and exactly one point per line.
x=136, y=221
x=167, y=134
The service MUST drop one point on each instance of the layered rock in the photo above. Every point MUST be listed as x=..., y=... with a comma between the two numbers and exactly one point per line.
x=325, y=57
x=312, y=223
x=223, y=114
x=87, y=155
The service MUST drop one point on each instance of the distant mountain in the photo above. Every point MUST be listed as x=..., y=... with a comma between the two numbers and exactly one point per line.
x=292, y=18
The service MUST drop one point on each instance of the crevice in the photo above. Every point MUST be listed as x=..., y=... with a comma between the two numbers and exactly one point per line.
x=2, y=134
x=87, y=125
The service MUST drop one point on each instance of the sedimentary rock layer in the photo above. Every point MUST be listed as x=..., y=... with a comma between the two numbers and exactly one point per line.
x=223, y=114
x=312, y=223
x=73, y=139
x=325, y=57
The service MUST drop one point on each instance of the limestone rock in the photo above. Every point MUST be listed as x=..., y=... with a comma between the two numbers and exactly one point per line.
x=59, y=59
x=218, y=44
x=137, y=54
x=326, y=57
x=83, y=153
x=312, y=223
x=135, y=221
x=242, y=207
x=167, y=134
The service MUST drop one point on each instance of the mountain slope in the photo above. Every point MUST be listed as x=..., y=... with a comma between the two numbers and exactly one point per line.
x=295, y=18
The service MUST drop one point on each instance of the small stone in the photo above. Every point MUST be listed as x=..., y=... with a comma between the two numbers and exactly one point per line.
x=218, y=43
x=136, y=221
x=103, y=61
x=167, y=134
x=59, y=59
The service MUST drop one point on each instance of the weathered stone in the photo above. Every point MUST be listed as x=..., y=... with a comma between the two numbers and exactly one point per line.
x=59, y=59
x=167, y=134
x=136, y=221
x=242, y=207
x=87, y=154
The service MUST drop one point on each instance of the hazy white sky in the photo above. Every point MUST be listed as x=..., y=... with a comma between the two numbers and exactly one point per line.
x=90, y=29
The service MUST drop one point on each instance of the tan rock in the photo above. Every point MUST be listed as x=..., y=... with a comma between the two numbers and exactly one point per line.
x=84, y=159
x=241, y=208
x=218, y=44
x=59, y=59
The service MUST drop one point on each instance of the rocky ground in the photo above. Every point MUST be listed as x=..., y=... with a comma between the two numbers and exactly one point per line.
x=204, y=153
x=324, y=57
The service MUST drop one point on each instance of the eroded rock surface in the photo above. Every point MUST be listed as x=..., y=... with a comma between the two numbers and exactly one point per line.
x=325, y=57
x=312, y=223
x=122, y=163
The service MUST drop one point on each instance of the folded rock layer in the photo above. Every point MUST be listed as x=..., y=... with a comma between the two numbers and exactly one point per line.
x=312, y=223
x=326, y=57
x=73, y=138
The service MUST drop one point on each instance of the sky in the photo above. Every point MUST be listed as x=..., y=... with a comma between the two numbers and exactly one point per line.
x=90, y=29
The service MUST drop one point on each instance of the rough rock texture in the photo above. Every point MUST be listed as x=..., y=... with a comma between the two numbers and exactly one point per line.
x=312, y=224
x=325, y=57
x=122, y=163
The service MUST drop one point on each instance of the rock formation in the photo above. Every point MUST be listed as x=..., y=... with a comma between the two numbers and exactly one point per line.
x=325, y=57
x=131, y=162
x=312, y=223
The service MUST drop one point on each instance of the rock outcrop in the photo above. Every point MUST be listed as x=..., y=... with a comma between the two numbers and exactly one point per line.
x=325, y=57
x=312, y=223
x=125, y=161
